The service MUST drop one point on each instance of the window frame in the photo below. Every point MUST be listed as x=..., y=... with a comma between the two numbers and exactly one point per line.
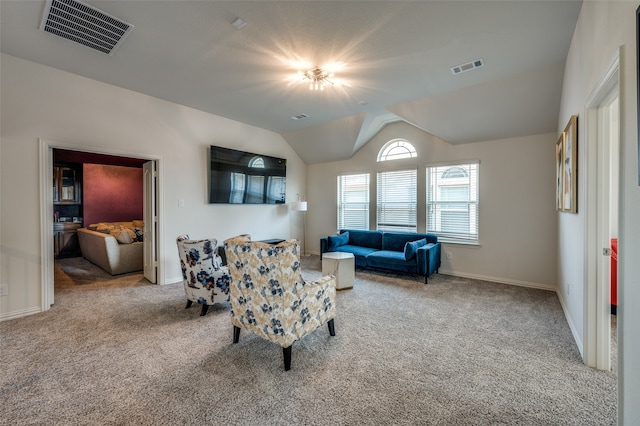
x=389, y=210
x=341, y=211
x=439, y=205
x=385, y=153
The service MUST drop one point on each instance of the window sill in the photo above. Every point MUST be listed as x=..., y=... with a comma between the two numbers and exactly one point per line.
x=459, y=243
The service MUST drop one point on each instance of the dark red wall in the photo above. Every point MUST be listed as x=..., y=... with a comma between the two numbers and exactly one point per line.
x=111, y=193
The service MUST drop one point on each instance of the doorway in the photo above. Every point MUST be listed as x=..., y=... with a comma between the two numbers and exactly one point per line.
x=602, y=193
x=47, y=212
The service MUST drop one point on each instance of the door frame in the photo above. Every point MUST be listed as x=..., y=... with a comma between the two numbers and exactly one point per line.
x=150, y=218
x=597, y=301
x=46, y=210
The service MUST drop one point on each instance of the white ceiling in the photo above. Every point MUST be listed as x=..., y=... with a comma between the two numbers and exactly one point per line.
x=395, y=56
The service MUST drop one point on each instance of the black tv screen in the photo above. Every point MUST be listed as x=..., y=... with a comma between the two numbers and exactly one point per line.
x=239, y=177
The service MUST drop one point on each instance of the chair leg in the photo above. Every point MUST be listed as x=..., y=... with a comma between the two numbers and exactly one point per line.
x=332, y=330
x=425, y=279
x=204, y=310
x=287, y=358
x=236, y=334
x=189, y=302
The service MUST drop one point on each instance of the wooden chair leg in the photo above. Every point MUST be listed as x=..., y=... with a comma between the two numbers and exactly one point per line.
x=204, y=310
x=332, y=330
x=287, y=358
x=236, y=334
x=189, y=302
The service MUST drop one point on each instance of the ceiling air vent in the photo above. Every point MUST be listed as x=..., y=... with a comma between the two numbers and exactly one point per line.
x=468, y=66
x=299, y=116
x=84, y=24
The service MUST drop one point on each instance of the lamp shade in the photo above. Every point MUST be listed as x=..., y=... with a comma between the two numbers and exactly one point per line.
x=299, y=206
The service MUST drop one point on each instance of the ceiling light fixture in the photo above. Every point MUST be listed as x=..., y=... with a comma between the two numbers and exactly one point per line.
x=317, y=77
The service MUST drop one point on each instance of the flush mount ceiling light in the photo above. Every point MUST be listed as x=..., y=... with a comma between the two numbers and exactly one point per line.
x=317, y=77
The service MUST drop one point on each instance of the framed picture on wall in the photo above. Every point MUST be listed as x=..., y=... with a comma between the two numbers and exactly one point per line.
x=570, y=166
x=559, y=171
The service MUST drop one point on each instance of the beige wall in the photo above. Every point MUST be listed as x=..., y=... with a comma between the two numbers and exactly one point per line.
x=42, y=102
x=603, y=29
x=517, y=223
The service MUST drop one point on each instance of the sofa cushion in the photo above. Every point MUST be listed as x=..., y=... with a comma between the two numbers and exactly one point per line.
x=396, y=240
x=360, y=253
x=411, y=248
x=336, y=241
x=369, y=239
x=391, y=261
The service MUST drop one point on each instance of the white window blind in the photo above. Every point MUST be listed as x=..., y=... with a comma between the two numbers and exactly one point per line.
x=452, y=202
x=397, y=205
x=353, y=201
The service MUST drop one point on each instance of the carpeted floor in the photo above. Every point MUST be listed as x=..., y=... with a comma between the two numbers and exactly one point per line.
x=118, y=351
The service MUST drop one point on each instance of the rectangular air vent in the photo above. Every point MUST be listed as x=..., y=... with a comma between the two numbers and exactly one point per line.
x=84, y=24
x=468, y=66
x=299, y=116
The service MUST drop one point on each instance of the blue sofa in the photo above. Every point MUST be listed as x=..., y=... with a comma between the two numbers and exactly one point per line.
x=408, y=253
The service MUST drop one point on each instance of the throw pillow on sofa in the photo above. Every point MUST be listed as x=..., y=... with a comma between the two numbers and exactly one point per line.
x=105, y=228
x=139, y=234
x=411, y=248
x=123, y=235
x=336, y=241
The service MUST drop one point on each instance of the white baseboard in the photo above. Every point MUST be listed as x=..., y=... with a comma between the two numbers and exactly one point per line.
x=174, y=280
x=572, y=327
x=499, y=280
x=19, y=314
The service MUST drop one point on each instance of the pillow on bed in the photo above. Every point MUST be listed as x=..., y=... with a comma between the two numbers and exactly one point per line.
x=336, y=241
x=411, y=248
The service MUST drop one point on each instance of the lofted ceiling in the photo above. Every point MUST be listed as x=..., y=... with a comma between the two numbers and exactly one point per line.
x=391, y=58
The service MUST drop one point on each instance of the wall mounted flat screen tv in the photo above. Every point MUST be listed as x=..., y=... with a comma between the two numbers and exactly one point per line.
x=239, y=177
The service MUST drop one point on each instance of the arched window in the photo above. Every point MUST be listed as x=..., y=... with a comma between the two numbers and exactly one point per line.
x=257, y=163
x=396, y=149
x=454, y=172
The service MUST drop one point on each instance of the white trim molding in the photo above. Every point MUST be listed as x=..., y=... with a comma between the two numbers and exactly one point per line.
x=498, y=280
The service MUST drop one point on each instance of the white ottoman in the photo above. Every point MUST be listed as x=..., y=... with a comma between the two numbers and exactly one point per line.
x=342, y=265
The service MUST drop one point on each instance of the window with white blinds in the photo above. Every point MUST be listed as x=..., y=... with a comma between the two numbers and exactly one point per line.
x=397, y=204
x=452, y=202
x=353, y=201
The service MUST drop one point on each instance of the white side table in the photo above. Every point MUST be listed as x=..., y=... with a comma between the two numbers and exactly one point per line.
x=342, y=265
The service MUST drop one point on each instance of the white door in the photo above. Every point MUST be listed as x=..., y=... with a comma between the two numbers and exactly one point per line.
x=150, y=221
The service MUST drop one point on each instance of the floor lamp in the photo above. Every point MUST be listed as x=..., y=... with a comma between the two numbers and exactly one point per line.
x=301, y=206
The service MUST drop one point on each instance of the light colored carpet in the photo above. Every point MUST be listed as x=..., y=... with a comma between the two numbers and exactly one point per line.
x=453, y=352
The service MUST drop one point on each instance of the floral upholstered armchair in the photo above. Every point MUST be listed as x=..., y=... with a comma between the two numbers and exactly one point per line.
x=269, y=296
x=205, y=280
